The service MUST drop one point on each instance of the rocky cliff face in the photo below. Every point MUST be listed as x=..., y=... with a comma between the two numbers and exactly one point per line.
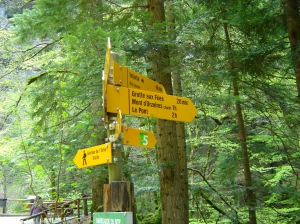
x=2, y=11
x=3, y=19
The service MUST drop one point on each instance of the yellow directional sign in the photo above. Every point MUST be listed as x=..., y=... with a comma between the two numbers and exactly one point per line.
x=126, y=77
x=139, y=138
x=105, y=75
x=93, y=156
x=106, y=65
x=149, y=104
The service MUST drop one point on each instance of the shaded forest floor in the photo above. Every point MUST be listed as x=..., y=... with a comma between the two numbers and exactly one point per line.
x=84, y=220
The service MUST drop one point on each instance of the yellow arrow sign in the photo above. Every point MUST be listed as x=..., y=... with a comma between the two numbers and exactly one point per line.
x=149, y=104
x=93, y=156
x=126, y=77
x=139, y=138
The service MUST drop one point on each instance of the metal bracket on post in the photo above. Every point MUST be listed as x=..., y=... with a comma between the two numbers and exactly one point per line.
x=111, y=126
x=115, y=160
x=112, y=138
x=116, y=145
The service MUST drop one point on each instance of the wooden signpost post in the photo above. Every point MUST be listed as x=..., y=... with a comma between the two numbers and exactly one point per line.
x=128, y=92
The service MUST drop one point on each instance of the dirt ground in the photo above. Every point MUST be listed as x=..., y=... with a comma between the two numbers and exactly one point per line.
x=84, y=220
x=16, y=220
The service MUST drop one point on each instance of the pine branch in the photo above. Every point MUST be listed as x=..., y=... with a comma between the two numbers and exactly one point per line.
x=128, y=7
x=43, y=48
x=35, y=78
x=8, y=73
x=212, y=204
x=206, y=181
x=215, y=207
x=38, y=45
x=30, y=81
x=73, y=117
x=32, y=56
x=219, y=122
x=26, y=3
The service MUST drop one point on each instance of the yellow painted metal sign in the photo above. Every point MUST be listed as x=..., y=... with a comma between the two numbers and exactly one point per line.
x=93, y=156
x=105, y=75
x=137, y=137
x=106, y=65
x=149, y=104
x=128, y=78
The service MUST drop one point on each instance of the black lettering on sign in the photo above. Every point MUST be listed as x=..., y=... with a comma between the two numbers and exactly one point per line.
x=160, y=98
x=158, y=88
x=185, y=102
x=143, y=111
x=133, y=76
x=174, y=115
x=136, y=102
x=138, y=94
x=149, y=104
x=96, y=157
x=91, y=153
x=149, y=97
x=134, y=85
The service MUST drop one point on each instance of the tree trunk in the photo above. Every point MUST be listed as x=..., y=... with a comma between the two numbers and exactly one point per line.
x=97, y=193
x=291, y=11
x=242, y=138
x=168, y=158
x=53, y=184
x=99, y=179
x=180, y=129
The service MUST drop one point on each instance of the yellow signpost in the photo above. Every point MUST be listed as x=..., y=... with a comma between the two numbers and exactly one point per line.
x=133, y=94
x=139, y=138
x=149, y=104
x=97, y=155
x=126, y=77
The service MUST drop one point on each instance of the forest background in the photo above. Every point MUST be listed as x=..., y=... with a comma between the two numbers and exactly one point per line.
x=238, y=61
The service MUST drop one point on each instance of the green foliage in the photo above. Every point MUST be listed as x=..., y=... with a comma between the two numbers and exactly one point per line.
x=150, y=218
x=63, y=50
